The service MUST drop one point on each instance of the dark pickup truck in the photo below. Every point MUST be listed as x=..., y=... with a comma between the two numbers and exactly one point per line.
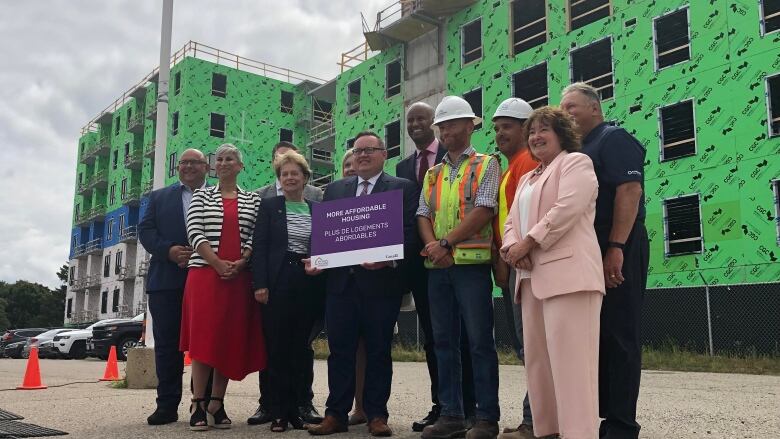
x=123, y=334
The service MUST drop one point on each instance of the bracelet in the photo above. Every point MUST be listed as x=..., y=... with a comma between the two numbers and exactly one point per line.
x=613, y=244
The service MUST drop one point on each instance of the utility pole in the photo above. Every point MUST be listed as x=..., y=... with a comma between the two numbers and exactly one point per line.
x=161, y=130
x=140, y=368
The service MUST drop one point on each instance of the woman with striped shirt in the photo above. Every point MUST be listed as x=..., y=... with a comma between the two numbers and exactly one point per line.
x=293, y=301
x=221, y=325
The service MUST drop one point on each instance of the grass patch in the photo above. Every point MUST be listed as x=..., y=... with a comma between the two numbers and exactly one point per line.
x=666, y=358
x=121, y=384
x=675, y=358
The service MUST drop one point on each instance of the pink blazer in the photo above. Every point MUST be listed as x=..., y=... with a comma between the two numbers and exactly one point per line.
x=563, y=206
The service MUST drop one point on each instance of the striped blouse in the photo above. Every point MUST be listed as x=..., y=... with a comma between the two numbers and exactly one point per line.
x=204, y=220
x=298, y=227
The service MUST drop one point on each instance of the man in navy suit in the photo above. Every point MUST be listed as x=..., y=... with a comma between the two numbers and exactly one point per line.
x=162, y=232
x=364, y=300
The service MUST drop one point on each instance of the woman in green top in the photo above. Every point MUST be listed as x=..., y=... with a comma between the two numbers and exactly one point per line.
x=291, y=300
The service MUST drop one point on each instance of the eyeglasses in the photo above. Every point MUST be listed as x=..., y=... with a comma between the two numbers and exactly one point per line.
x=366, y=151
x=191, y=162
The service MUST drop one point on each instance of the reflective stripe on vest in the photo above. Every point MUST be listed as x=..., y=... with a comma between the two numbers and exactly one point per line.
x=503, y=204
x=448, y=207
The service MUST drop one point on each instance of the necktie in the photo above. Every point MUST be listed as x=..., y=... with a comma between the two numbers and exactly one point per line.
x=365, y=184
x=424, y=165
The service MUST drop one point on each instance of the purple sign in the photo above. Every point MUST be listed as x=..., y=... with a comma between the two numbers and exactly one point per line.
x=351, y=231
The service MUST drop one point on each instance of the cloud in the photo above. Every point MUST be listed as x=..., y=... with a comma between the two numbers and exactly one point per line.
x=66, y=61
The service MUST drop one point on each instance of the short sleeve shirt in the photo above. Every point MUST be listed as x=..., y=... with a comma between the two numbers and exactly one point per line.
x=618, y=158
x=487, y=191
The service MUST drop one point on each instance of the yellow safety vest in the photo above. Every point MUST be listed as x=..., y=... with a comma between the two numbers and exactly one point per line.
x=451, y=201
x=503, y=204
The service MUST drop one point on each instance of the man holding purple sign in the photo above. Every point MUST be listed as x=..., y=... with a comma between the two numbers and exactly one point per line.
x=364, y=300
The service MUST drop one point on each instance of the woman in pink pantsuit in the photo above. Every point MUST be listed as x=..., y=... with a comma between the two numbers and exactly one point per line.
x=550, y=240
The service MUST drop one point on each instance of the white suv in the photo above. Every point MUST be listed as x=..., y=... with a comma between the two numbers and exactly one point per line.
x=73, y=344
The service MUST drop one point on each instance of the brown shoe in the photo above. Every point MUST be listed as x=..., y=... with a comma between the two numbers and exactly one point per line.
x=329, y=425
x=483, y=430
x=357, y=418
x=523, y=431
x=378, y=428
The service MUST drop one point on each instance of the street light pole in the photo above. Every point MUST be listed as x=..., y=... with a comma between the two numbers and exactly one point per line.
x=161, y=129
x=161, y=132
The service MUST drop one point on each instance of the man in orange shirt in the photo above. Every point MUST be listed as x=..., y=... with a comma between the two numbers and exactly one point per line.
x=512, y=142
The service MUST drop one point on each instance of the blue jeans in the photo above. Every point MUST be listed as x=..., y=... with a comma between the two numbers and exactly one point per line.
x=464, y=291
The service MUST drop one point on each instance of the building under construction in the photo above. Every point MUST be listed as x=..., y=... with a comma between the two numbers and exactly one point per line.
x=696, y=81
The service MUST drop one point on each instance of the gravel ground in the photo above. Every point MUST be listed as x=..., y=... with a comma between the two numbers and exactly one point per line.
x=672, y=404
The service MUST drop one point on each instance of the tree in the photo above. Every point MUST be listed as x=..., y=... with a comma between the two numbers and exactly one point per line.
x=4, y=323
x=25, y=304
x=60, y=292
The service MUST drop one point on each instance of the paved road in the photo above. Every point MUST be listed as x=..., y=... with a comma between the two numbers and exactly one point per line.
x=672, y=404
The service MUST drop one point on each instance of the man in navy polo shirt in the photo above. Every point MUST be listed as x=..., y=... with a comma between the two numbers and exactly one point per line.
x=618, y=159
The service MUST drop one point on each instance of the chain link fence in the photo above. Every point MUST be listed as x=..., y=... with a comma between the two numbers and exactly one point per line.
x=739, y=320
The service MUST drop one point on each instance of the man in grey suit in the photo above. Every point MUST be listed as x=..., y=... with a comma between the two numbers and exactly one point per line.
x=305, y=394
x=311, y=193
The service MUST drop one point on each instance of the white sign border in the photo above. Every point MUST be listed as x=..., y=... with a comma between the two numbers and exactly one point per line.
x=357, y=257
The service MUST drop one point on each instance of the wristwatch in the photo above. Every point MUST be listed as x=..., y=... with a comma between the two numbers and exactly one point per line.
x=446, y=244
x=613, y=244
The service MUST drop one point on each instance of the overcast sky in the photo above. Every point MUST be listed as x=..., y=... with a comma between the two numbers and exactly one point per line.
x=62, y=62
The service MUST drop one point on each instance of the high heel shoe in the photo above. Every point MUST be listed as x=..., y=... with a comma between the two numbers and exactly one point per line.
x=219, y=419
x=198, y=418
x=279, y=425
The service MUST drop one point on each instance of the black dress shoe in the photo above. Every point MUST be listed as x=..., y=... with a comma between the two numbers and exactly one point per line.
x=261, y=416
x=430, y=419
x=309, y=414
x=162, y=417
x=297, y=423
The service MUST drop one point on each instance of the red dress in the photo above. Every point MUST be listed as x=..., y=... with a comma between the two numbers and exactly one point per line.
x=220, y=322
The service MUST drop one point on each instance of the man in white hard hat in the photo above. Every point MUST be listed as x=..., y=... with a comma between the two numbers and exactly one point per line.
x=457, y=204
x=512, y=142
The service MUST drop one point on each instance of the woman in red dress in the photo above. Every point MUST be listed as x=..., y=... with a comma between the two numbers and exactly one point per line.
x=221, y=325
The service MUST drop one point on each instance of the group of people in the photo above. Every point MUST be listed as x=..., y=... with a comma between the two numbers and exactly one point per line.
x=560, y=230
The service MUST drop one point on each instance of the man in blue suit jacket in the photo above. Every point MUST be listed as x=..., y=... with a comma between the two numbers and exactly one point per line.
x=364, y=300
x=162, y=232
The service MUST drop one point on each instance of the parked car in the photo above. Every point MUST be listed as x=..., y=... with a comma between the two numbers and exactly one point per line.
x=14, y=350
x=46, y=349
x=124, y=335
x=17, y=335
x=43, y=342
x=73, y=344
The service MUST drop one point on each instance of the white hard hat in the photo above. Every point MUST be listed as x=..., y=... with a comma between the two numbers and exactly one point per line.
x=454, y=107
x=515, y=108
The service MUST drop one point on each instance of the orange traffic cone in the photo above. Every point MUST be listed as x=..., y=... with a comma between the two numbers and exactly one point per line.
x=32, y=375
x=112, y=369
x=187, y=359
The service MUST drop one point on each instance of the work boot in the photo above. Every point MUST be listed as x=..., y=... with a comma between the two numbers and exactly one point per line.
x=523, y=431
x=446, y=427
x=483, y=430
